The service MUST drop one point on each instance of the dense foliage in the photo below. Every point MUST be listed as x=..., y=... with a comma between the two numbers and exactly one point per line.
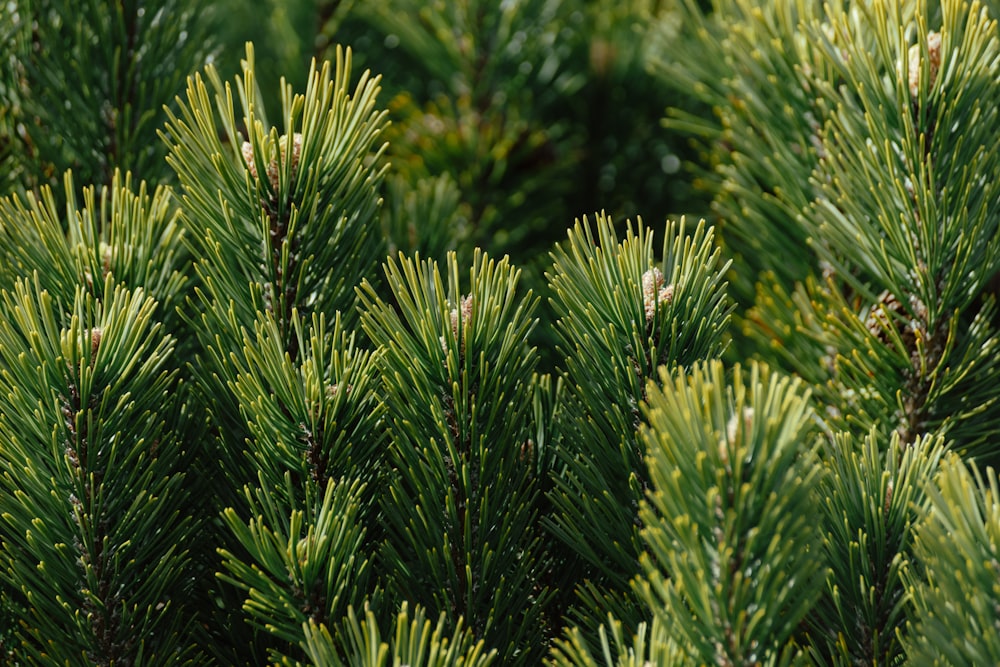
x=468, y=332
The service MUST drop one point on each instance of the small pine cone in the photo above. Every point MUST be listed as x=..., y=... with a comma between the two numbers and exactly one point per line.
x=95, y=340
x=880, y=316
x=248, y=158
x=652, y=281
x=527, y=454
x=733, y=425
x=105, y=250
x=933, y=62
x=654, y=292
x=885, y=314
x=334, y=389
x=272, y=174
x=465, y=312
x=734, y=428
x=274, y=166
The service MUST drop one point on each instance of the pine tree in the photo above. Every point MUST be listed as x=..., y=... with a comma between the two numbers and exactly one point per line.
x=101, y=543
x=297, y=371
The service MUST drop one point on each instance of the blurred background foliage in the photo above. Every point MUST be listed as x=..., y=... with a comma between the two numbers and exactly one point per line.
x=508, y=119
x=536, y=111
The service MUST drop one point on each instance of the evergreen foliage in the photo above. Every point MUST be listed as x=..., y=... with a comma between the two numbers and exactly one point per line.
x=88, y=95
x=463, y=500
x=731, y=526
x=872, y=496
x=955, y=559
x=298, y=371
x=414, y=642
x=98, y=527
x=622, y=315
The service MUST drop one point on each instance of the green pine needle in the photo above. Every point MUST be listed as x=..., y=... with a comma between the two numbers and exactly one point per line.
x=952, y=585
x=731, y=522
x=413, y=641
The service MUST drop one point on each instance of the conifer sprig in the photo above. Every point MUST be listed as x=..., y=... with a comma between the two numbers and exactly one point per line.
x=283, y=220
x=907, y=222
x=952, y=583
x=463, y=501
x=912, y=210
x=318, y=417
x=650, y=645
x=99, y=547
x=622, y=314
x=872, y=495
x=312, y=424
x=731, y=520
x=413, y=641
x=284, y=216
x=120, y=230
x=302, y=569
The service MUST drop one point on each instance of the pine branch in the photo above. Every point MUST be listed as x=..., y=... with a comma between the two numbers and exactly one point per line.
x=283, y=221
x=730, y=522
x=622, y=316
x=905, y=222
x=463, y=500
x=952, y=584
x=302, y=569
x=95, y=456
x=650, y=645
x=873, y=495
x=412, y=642
x=120, y=230
x=285, y=224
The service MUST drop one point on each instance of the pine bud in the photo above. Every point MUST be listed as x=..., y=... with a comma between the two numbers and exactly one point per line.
x=274, y=166
x=654, y=293
x=527, y=451
x=735, y=427
x=334, y=389
x=247, y=150
x=95, y=341
x=880, y=315
x=933, y=62
x=465, y=312
x=884, y=316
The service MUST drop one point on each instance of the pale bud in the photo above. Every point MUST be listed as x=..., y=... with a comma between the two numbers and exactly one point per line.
x=654, y=292
x=464, y=311
x=933, y=62
x=274, y=166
